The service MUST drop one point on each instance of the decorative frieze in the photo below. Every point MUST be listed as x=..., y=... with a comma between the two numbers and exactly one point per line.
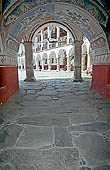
x=102, y=59
x=100, y=51
x=8, y=57
x=7, y=60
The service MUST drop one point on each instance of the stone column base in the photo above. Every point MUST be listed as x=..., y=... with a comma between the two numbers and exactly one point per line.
x=77, y=79
x=30, y=79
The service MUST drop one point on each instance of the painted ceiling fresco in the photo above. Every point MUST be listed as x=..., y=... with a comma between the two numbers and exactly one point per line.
x=71, y=15
x=25, y=5
x=30, y=13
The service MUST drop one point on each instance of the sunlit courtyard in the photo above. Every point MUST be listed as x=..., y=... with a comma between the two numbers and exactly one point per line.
x=51, y=74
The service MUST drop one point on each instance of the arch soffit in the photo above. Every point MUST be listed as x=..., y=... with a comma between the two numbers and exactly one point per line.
x=64, y=26
x=38, y=57
x=71, y=51
x=61, y=52
x=21, y=7
x=44, y=56
x=71, y=15
x=52, y=54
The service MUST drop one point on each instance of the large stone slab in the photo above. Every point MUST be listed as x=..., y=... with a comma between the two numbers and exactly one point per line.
x=33, y=87
x=45, y=120
x=48, y=92
x=85, y=168
x=9, y=135
x=1, y=121
x=30, y=91
x=36, y=137
x=105, y=112
x=91, y=127
x=95, y=148
x=7, y=167
x=29, y=97
x=35, y=110
x=103, y=167
x=81, y=118
x=25, y=167
x=43, y=98
x=49, y=159
x=62, y=138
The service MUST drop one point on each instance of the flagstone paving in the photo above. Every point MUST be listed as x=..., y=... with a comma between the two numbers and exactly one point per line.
x=55, y=125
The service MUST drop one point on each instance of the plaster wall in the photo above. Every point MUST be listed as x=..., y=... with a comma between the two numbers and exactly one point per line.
x=8, y=82
x=101, y=80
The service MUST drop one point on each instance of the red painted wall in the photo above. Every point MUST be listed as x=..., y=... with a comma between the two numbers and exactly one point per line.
x=8, y=82
x=53, y=67
x=101, y=80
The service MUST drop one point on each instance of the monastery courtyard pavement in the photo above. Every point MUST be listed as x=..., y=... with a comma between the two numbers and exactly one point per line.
x=55, y=124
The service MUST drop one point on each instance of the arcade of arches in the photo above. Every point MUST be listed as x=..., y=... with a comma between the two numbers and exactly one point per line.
x=58, y=53
x=23, y=21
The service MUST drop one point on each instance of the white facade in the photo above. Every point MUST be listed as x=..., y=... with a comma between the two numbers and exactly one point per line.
x=53, y=48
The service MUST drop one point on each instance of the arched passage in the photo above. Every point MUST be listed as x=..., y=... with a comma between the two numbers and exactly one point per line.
x=20, y=22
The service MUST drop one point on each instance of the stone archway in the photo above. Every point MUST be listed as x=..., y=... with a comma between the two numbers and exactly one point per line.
x=20, y=23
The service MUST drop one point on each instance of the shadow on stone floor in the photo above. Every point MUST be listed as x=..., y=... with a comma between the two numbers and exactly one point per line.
x=55, y=125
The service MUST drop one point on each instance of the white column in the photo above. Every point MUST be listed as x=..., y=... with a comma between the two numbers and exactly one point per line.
x=41, y=40
x=58, y=35
x=42, y=64
x=37, y=64
x=21, y=64
x=24, y=64
x=29, y=62
x=88, y=62
x=68, y=37
x=36, y=44
x=49, y=64
x=48, y=30
x=58, y=64
x=36, y=39
x=68, y=64
x=88, y=57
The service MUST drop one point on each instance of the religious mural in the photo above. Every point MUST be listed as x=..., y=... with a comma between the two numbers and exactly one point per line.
x=35, y=15
x=70, y=15
x=12, y=44
x=26, y=5
x=99, y=43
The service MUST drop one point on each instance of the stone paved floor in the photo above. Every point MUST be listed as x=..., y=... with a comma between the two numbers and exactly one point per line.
x=55, y=125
